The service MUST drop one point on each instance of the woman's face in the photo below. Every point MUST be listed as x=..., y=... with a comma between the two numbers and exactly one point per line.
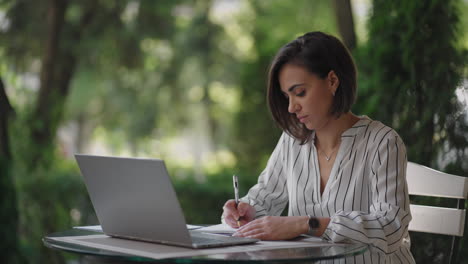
x=310, y=97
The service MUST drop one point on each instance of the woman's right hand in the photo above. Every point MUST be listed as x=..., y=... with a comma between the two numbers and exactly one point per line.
x=243, y=211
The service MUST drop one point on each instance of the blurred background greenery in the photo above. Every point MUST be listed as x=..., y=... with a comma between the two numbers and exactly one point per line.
x=185, y=81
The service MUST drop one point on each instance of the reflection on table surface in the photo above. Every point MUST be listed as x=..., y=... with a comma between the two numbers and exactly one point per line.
x=271, y=255
x=285, y=254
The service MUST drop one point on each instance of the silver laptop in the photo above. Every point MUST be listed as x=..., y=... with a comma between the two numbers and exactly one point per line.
x=134, y=198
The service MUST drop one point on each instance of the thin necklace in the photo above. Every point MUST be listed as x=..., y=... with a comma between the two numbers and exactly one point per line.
x=328, y=157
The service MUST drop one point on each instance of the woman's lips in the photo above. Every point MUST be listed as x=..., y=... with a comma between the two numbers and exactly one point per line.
x=301, y=118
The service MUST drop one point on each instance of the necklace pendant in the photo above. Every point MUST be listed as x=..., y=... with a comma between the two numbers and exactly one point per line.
x=327, y=158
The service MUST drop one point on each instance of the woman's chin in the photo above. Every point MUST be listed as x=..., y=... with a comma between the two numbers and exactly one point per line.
x=309, y=126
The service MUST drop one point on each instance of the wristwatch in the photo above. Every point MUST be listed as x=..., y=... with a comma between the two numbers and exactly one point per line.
x=314, y=225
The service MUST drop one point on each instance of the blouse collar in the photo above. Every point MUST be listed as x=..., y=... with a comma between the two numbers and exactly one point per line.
x=358, y=127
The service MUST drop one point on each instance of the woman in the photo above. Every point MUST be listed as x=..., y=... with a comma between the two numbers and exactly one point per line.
x=344, y=176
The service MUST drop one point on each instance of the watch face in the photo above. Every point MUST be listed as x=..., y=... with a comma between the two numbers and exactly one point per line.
x=313, y=223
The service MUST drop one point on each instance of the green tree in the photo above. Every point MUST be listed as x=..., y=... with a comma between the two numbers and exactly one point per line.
x=410, y=68
x=63, y=46
x=58, y=64
x=413, y=67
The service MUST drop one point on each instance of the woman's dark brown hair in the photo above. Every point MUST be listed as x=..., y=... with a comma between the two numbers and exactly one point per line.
x=318, y=53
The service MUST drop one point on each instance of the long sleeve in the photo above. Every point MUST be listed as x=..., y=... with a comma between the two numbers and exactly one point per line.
x=385, y=225
x=270, y=195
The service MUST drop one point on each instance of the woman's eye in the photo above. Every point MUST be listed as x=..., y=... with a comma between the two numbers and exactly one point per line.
x=302, y=93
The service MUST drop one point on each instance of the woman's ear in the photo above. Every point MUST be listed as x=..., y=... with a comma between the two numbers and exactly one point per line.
x=333, y=82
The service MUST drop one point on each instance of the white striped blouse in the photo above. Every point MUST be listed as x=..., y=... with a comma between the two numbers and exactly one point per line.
x=366, y=195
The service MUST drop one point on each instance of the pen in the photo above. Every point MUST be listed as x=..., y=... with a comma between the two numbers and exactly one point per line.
x=235, y=182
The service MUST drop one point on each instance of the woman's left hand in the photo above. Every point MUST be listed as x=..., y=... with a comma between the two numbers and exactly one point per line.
x=275, y=228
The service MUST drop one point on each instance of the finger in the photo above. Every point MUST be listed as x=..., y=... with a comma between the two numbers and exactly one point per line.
x=229, y=208
x=231, y=214
x=242, y=233
x=249, y=232
x=228, y=221
x=250, y=226
x=242, y=208
x=231, y=221
x=243, y=221
x=261, y=236
x=251, y=223
x=255, y=229
x=230, y=205
x=235, y=215
x=255, y=234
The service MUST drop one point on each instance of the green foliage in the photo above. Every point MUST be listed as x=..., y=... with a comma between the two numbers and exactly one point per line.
x=410, y=68
x=202, y=203
x=51, y=196
x=409, y=75
x=47, y=200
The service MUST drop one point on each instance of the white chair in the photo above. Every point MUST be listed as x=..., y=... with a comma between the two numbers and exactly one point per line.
x=424, y=181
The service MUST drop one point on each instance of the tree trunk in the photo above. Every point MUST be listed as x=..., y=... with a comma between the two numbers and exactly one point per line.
x=7, y=111
x=8, y=205
x=345, y=22
x=46, y=113
x=58, y=66
x=59, y=63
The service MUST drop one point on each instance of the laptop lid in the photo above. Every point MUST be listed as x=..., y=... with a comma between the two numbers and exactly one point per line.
x=134, y=198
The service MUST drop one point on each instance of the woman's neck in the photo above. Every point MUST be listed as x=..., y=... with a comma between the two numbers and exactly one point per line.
x=329, y=136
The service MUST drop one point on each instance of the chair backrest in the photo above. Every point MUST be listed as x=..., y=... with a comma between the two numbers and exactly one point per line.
x=424, y=181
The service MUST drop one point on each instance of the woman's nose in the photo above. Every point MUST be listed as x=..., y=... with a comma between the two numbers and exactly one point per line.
x=293, y=106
